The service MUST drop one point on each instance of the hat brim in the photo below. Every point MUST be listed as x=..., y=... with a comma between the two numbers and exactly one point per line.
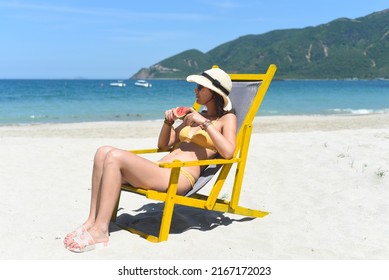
x=201, y=80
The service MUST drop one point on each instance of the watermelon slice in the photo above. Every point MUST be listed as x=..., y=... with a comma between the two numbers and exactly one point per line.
x=180, y=112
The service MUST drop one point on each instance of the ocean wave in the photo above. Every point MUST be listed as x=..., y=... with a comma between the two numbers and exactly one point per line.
x=39, y=117
x=359, y=111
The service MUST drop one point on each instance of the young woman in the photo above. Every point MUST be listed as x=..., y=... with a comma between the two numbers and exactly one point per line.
x=200, y=136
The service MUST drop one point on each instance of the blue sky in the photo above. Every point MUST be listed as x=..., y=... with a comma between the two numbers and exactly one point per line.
x=114, y=39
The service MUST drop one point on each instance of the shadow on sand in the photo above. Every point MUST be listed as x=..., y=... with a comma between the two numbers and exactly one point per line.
x=149, y=217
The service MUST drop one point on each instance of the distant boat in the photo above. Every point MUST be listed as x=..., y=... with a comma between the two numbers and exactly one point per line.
x=142, y=83
x=118, y=84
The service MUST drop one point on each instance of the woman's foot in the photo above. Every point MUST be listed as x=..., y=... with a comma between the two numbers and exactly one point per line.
x=69, y=237
x=89, y=240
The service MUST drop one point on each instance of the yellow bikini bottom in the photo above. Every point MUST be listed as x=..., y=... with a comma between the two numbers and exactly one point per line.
x=188, y=176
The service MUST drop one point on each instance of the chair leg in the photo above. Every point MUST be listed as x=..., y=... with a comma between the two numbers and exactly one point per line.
x=169, y=205
x=236, y=190
x=166, y=220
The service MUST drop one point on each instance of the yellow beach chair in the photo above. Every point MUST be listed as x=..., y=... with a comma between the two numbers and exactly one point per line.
x=247, y=93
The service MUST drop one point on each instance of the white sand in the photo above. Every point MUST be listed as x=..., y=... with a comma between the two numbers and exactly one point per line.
x=318, y=176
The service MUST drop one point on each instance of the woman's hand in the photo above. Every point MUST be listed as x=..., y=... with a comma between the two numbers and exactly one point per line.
x=169, y=116
x=194, y=117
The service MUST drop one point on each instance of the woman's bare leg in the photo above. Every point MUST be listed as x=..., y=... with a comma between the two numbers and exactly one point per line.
x=97, y=172
x=121, y=167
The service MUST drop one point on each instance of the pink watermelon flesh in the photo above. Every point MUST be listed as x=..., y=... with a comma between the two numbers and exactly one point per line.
x=181, y=112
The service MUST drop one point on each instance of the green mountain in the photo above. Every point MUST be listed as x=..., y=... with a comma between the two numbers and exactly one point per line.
x=341, y=49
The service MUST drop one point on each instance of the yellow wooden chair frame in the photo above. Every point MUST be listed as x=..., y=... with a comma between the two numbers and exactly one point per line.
x=210, y=201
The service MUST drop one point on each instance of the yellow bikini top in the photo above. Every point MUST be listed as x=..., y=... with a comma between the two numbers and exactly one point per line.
x=199, y=137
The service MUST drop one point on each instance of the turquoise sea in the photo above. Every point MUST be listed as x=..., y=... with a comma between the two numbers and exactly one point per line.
x=24, y=102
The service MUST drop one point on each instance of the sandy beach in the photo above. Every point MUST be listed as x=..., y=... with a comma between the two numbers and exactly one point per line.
x=325, y=180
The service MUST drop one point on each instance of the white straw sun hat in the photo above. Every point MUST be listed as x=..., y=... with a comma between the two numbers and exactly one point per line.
x=217, y=80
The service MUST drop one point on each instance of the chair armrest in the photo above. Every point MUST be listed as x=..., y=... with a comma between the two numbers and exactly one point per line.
x=148, y=151
x=178, y=163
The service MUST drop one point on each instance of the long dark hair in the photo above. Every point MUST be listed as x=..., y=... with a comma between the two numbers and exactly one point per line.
x=219, y=101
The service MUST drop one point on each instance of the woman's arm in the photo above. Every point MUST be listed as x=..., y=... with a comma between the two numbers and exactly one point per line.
x=167, y=136
x=224, y=140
